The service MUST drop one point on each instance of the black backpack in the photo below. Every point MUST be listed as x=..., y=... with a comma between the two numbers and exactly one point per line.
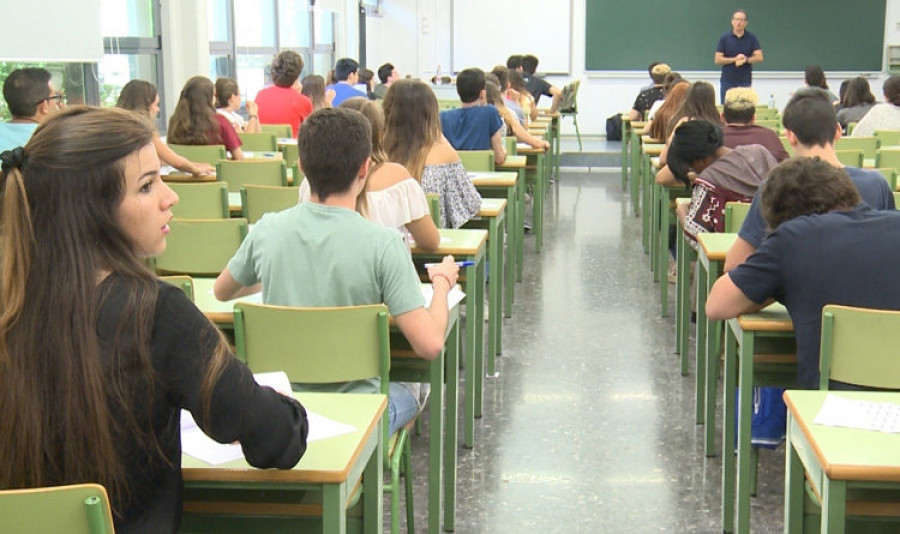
x=614, y=128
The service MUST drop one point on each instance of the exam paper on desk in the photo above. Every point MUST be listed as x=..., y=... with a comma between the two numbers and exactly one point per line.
x=864, y=415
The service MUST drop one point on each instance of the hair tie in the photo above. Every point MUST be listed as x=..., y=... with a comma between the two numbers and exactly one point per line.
x=12, y=159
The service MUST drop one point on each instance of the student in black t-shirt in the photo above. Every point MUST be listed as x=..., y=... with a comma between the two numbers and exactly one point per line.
x=537, y=85
x=647, y=97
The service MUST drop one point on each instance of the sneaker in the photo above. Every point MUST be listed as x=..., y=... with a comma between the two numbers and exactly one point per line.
x=527, y=225
x=672, y=273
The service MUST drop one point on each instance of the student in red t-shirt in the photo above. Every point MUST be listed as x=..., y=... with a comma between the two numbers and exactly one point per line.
x=282, y=103
x=195, y=121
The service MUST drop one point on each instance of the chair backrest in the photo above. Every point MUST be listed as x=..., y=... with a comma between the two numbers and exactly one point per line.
x=772, y=124
x=850, y=127
x=869, y=145
x=76, y=509
x=766, y=113
x=477, y=160
x=290, y=153
x=448, y=104
x=258, y=141
x=182, y=282
x=735, y=213
x=509, y=143
x=200, y=247
x=280, y=130
x=434, y=207
x=315, y=345
x=853, y=158
x=888, y=137
x=897, y=200
x=568, y=103
x=206, y=200
x=859, y=346
x=240, y=173
x=210, y=154
x=888, y=158
x=258, y=200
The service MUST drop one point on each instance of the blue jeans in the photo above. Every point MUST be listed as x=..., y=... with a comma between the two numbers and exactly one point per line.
x=402, y=407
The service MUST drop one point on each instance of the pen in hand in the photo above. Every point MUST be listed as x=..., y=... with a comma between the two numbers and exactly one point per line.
x=458, y=264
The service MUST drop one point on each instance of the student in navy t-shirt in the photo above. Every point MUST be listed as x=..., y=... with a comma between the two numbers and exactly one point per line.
x=811, y=128
x=475, y=125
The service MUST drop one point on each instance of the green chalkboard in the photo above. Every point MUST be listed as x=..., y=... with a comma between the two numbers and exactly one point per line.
x=842, y=35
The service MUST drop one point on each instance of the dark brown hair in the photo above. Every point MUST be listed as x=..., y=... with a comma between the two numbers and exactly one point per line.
x=225, y=89
x=286, y=68
x=333, y=145
x=137, y=95
x=805, y=186
x=412, y=124
x=194, y=120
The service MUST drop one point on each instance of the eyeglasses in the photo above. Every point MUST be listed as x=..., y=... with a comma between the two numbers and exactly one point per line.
x=57, y=99
x=739, y=19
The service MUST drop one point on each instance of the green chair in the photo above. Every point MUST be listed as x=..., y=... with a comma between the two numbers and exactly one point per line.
x=850, y=127
x=509, y=143
x=772, y=124
x=76, y=509
x=568, y=105
x=434, y=207
x=237, y=174
x=448, y=104
x=200, y=247
x=852, y=158
x=258, y=142
x=859, y=347
x=281, y=131
x=787, y=145
x=183, y=282
x=888, y=158
x=888, y=137
x=327, y=346
x=897, y=200
x=210, y=154
x=202, y=200
x=258, y=200
x=477, y=160
x=290, y=153
x=735, y=213
x=766, y=113
x=869, y=145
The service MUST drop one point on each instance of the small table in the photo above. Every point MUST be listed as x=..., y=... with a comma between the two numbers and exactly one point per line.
x=835, y=460
x=332, y=466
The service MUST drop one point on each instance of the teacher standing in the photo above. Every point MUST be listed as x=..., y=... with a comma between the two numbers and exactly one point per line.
x=737, y=51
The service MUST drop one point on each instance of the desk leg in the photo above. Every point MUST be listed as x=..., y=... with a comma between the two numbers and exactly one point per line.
x=683, y=301
x=834, y=506
x=520, y=223
x=495, y=312
x=509, y=278
x=540, y=192
x=663, y=263
x=729, y=378
x=635, y=177
x=793, y=484
x=700, y=352
x=714, y=344
x=373, y=511
x=334, y=516
x=655, y=191
x=745, y=455
x=479, y=338
x=625, y=135
x=451, y=412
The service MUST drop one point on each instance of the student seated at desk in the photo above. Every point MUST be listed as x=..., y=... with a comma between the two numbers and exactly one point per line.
x=476, y=125
x=390, y=197
x=282, y=103
x=519, y=94
x=660, y=126
x=739, y=112
x=857, y=99
x=195, y=121
x=99, y=356
x=313, y=87
x=346, y=76
x=646, y=97
x=537, y=85
x=142, y=98
x=884, y=116
x=412, y=138
x=228, y=102
x=513, y=126
x=825, y=248
x=31, y=99
x=324, y=253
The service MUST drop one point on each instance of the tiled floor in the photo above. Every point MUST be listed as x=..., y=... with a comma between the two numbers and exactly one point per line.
x=589, y=427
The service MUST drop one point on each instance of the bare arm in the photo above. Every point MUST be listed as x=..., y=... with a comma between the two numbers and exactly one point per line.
x=720, y=59
x=424, y=329
x=738, y=253
x=169, y=157
x=557, y=98
x=727, y=301
x=756, y=57
x=252, y=125
x=498, y=148
x=666, y=178
x=237, y=154
x=227, y=288
x=522, y=135
x=425, y=233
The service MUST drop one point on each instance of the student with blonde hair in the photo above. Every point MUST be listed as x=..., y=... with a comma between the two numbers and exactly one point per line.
x=739, y=113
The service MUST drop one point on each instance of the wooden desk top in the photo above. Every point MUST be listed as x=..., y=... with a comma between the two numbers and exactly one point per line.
x=848, y=453
x=326, y=461
x=188, y=178
x=492, y=207
x=513, y=162
x=465, y=242
x=530, y=151
x=772, y=318
x=635, y=124
x=494, y=179
x=653, y=149
x=714, y=246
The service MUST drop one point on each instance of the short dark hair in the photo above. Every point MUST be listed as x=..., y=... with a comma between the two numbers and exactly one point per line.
x=24, y=89
x=811, y=116
x=514, y=61
x=344, y=68
x=333, y=144
x=516, y=81
x=286, y=68
x=693, y=140
x=384, y=72
x=225, y=88
x=891, y=90
x=529, y=64
x=805, y=186
x=740, y=105
x=502, y=74
x=815, y=77
x=469, y=84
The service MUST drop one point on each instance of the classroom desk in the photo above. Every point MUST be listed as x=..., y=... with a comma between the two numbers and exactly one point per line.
x=537, y=162
x=835, y=460
x=440, y=372
x=510, y=186
x=518, y=163
x=178, y=176
x=331, y=466
x=634, y=143
x=686, y=255
x=710, y=262
x=468, y=245
x=746, y=366
x=648, y=206
x=665, y=195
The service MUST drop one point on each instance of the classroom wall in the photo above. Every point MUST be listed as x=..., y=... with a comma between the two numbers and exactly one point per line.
x=601, y=94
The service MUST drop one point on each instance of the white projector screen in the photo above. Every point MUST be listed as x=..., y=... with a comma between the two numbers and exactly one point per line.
x=485, y=33
x=50, y=30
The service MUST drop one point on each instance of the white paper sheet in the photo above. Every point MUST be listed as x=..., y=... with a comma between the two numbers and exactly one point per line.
x=454, y=297
x=865, y=415
x=255, y=298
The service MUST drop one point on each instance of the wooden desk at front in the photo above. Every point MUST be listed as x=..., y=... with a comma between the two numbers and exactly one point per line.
x=331, y=466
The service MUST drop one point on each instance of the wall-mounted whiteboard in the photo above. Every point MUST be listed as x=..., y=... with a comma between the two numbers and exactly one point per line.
x=486, y=32
x=50, y=30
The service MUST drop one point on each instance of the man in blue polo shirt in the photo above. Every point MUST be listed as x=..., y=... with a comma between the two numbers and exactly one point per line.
x=476, y=125
x=346, y=74
x=30, y=97
x=737, y=51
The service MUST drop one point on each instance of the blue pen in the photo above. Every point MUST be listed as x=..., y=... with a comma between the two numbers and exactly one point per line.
x=458, y=264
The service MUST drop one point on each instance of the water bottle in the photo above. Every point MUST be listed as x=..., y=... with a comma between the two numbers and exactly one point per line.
x=437, y=76
x=772, y=100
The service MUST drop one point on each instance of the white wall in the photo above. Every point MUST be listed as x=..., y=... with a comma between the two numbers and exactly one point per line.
x=600, y=96
x=185, y=45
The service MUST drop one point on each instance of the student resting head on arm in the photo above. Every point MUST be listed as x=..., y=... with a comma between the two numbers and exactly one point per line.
x=98, y=355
